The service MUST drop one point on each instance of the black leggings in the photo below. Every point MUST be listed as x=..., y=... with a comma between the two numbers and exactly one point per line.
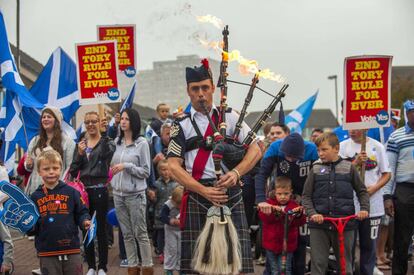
x=98, y=201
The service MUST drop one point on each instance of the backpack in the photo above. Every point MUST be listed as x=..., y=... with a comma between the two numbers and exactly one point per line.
x=78, y=185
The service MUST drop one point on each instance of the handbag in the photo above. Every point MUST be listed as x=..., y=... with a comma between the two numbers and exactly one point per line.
x=78, y=185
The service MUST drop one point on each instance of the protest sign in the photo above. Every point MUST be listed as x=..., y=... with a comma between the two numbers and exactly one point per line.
x=367, y=96
x=97, y=72
x=125, y=37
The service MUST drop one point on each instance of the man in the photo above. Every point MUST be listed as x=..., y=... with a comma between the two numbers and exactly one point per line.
x=377, y=174
x=278, y=131
x=316, y=132
x=399, y=192
x=291, y=157
x=189, y=146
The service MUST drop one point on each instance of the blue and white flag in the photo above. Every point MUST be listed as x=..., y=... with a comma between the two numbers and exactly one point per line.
x=297, y=119
x=91, y=233
x=128, y=102
x=57, y=86
x=17, y=96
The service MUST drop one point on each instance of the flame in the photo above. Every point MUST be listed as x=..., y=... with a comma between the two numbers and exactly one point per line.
x=246, y=66
x=217, y=22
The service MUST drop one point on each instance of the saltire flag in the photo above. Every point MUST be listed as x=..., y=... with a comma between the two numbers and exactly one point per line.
x=17, y=96
x=91, y=233
x=297, y=119
x=128, y=102
x=56, y=86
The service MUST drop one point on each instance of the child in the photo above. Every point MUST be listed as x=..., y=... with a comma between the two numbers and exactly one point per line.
x=170, y=216
x=329, y=192
x=6, y=250
x=163, y=189
x=273, y=226
x=61, y=212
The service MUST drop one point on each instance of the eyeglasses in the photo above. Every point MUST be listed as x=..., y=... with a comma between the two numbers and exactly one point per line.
x=205, y=88
x=87, y=122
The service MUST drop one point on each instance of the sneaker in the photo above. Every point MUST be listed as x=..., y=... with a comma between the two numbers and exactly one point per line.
x=124, y=263
x=261, y=260
x=91, y=271
x=101, y=272
x=36, y=271
x=31, y=238
x=377, y=271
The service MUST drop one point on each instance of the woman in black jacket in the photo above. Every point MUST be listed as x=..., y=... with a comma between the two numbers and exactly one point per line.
x=91, y=161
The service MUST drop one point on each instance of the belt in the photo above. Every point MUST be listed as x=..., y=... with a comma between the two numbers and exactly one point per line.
x=207, y=182
x=96, y=186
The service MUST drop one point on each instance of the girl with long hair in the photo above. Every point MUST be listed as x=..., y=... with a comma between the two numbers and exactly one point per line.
x=131, y=167
x=50, y=136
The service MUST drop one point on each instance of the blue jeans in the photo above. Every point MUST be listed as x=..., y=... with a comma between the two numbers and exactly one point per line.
x=275, y=262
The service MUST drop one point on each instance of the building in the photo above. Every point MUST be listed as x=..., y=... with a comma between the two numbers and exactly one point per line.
x=320, y=118
x=165, y=83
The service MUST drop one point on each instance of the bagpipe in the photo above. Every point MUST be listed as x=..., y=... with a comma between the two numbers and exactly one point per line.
x=217, y=249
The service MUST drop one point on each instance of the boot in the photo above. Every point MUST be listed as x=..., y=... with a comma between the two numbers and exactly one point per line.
x=136, y=270
x=148, y=270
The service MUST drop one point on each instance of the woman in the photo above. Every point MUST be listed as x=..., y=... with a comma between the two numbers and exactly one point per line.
x=50, y=135
x=131, y=167
x=91, y=162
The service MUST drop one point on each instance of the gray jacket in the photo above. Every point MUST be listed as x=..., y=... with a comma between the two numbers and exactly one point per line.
x=137, y=162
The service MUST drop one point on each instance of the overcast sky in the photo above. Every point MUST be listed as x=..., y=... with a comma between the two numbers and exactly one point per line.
x=303, y=40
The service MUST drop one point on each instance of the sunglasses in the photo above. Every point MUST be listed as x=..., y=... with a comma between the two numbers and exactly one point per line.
x=205, y=88
x=87, y=122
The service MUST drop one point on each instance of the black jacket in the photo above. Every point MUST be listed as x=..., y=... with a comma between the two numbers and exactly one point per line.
x=94, y=170
x=329, y=191
x=61, y=213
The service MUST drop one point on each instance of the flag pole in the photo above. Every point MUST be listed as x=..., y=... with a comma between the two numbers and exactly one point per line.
x=363, y=149
x=18, y=35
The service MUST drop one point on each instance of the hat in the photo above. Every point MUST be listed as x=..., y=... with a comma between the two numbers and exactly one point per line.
x=293, y=146
x=409, y=105
x=55, y=111
x=198, y=74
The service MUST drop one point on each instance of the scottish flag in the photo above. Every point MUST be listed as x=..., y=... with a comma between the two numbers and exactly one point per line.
x=129, y=100
x=57, y=86
x=91, y=233
x=17, y=97
x=297, y=119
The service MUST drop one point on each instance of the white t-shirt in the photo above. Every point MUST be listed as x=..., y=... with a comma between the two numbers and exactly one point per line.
x=376, y=165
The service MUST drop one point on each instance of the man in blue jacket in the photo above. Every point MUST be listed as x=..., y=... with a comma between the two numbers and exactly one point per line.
x=291, y=157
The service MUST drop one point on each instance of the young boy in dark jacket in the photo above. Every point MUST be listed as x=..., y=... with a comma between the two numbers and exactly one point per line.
x=61, y=212
x=273, y=226
x=329, y=192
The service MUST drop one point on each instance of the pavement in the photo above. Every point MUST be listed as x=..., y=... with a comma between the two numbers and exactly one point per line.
x=26, y=259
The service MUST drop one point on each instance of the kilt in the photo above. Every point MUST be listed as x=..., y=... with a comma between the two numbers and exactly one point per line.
x=195, y=220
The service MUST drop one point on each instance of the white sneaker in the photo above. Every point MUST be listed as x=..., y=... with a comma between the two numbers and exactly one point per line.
x=91, y=271
x=36, y=271
x=377, y=271
x=101, y=272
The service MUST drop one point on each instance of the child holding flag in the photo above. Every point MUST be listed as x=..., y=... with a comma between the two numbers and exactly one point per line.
x=61, y=212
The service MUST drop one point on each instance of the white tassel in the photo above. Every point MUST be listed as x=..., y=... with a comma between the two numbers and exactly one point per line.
x=218, y=260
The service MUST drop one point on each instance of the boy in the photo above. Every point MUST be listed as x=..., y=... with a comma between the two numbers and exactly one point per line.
x=273, y=226
x=170, y=216
x=6, y=250
x=329, y=191
x=164, y=186
x=61, y=212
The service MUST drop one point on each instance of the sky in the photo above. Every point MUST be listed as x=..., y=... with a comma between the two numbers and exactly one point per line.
x=303, y=40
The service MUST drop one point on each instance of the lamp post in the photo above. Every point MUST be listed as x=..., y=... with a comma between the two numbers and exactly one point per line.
x=335, y=77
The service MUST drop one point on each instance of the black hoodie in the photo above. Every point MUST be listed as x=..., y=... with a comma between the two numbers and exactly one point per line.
x=61, y=212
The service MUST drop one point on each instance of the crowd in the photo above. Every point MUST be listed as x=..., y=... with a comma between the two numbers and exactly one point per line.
x=163, y=183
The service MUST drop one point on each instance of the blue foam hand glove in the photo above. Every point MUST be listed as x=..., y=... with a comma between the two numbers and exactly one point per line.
x=19, y=211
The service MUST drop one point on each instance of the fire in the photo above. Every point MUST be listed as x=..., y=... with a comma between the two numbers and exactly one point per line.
x=246, y=66
x=217, y=22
